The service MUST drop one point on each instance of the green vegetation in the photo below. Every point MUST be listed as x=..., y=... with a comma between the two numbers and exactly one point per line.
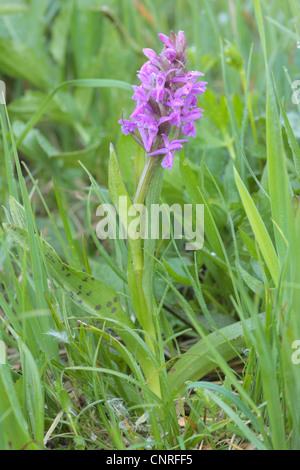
x=81, y=365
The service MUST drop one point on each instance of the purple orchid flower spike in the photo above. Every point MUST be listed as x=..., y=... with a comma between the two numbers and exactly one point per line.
x=166, y=100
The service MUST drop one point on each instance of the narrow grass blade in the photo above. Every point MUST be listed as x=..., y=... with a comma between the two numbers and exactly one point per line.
x=261, y=234
x=33, y=392
x=277, y=171
x=68, y=226
x=245, y=430
x=193, y=187
x=16, y=432
x=291, y=137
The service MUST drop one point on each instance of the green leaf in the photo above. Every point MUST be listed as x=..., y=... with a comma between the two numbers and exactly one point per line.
x=33, y=392
x=175, y=270
x=250, y=244
x=2, y=352
x=60, y=31
x=291, y=137
x=18, y=213
x=254, y=284
x=83, y=289
x=13, y=426
x=17, y=60
x=198, y=361
x=68, y=226
x=261, y=234
x=193, y=187
x=117, y=188
x=90, y=294
x=278, y=177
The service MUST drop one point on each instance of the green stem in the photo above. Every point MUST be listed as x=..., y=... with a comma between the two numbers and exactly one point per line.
x=135, y=280
x=250, y=109
x=144, y=182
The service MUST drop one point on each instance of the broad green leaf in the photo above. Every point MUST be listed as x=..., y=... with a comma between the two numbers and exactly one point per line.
x=117, y=191
x=129, y=154
x=90, y=294
x=18, y=61
x=152, y=197
x=198, y=361
x=84, y=290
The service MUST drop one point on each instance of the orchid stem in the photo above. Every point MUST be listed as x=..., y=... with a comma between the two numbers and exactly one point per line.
x=135, y=280
x=144, y=182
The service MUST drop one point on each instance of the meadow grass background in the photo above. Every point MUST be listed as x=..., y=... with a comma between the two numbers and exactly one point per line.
x=67, y=378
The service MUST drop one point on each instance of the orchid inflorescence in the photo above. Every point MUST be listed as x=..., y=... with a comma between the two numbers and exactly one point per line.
x=166, y=100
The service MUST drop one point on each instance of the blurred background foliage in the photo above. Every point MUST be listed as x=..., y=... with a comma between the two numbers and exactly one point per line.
x=46, y=42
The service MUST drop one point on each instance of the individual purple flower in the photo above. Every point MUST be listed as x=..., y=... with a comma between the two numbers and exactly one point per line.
x=139, y=111
x=158, y=92
x=166, y=100
x=148, y=129
x=147, y=75
x=140, y=94
x=169, y=149
x=189, y=81
x=170, y=49
x=128, y=127
x=151, y=55
x=189, y=118
x=176, y=105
